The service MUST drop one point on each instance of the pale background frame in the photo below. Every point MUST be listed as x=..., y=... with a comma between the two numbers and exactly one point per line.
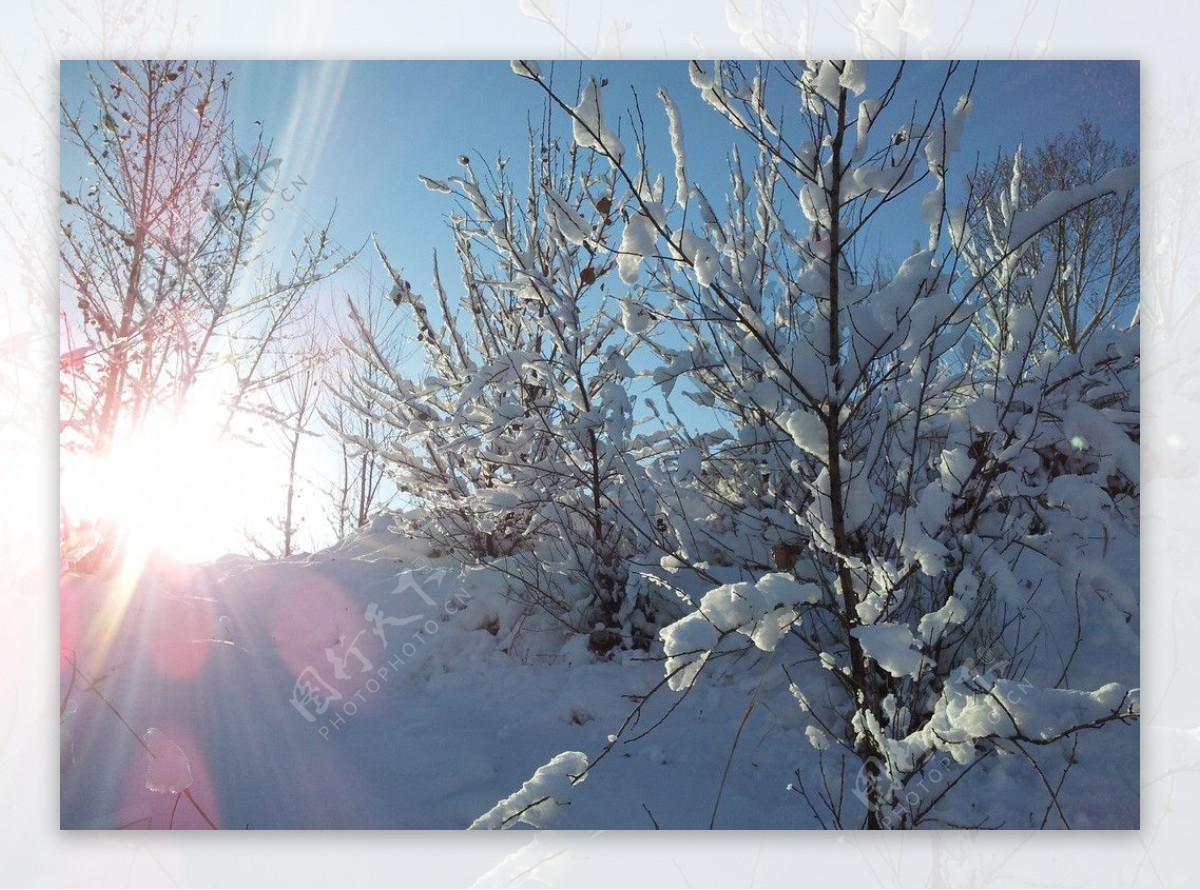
x=36, y=36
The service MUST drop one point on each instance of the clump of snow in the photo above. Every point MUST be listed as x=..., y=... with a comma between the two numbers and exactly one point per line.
x=687, y=644
x=893, y=647
x=635, y=318
x=713, y=92
x=854, y=76
x=979, y=707
x=815, y=203
x=868, y=110
x=821, y=84
x=808, y=431
x=932, y=624
x=945, y=141
x=671, y=563
x=761, y=611
x=704, y=258
x=915, y=530
x=169, y=769
x=567, y=219
x=1079, y=496
x=960, y=231
x=637, y=243
x=435, y=185
x=817, y=738
x=589, y=127
x=526, y=68
x=676, y=129
x=540, y=799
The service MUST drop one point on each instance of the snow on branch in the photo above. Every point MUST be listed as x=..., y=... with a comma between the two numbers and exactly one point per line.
x=761, y=611
x=893, y=647
x=676, y=129
x=1055, y=205
x=983, y=707
x=589, y=127
x=539, y=800
x=526, y=68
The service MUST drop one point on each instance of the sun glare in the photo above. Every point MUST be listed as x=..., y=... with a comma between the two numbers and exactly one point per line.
x=175, y=487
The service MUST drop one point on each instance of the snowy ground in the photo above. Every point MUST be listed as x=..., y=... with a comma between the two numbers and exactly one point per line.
x=463, y=704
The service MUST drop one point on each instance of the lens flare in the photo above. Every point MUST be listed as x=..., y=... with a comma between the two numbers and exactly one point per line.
x=175, y=487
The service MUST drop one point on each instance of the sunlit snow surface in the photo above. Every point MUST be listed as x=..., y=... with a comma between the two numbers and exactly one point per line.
x=266, y=691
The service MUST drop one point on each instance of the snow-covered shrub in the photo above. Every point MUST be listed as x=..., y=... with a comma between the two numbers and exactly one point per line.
x=940, y=484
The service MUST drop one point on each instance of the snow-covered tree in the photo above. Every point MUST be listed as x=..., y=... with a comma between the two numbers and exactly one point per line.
x=519, y=441
x=1095, y=246
x=159, y=242
x=898, y=444
x=288, y=407
x=358, y=489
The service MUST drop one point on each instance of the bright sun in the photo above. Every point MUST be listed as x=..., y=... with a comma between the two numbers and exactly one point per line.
x=176, y=487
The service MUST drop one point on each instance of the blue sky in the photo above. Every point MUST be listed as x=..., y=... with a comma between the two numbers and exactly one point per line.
x=355, y=135
x=359, y=133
